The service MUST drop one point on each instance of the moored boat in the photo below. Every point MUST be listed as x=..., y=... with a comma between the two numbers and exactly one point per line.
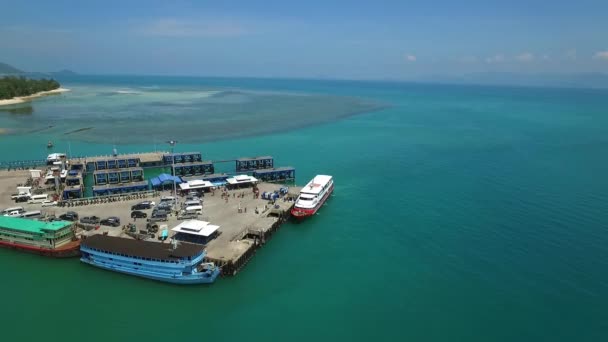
x=313, y=196
x=55, y=157
x=178, y=263
x=49, y=144
x=55, y=239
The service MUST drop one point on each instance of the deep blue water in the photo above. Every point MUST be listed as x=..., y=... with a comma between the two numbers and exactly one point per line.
x=460, y=214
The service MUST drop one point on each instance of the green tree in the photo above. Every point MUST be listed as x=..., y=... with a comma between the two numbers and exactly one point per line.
x=11, y=86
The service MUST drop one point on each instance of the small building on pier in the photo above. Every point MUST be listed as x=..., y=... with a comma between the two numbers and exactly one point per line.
x=241, y=181
x=196, y=185
x=195, y=231
x=254, y=163
x=280, y=174
x=218, y=179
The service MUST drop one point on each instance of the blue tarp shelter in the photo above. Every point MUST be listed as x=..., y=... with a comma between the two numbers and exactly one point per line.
x=163, y=179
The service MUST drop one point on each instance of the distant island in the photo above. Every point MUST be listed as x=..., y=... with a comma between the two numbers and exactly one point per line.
x=14, y=90
x=18, y=86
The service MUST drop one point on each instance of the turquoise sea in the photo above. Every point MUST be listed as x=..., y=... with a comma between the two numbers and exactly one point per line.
x=461, y=213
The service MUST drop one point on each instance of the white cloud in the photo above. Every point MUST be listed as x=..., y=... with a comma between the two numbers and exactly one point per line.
x=410, y=58
x=468, y=59
x=496, y=59
x=171, y=27
x=525, y=57
x=603, y=55
x=571, y=55
x=545, y=57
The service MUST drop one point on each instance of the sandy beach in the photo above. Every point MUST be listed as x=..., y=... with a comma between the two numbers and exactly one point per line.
x=21, y=99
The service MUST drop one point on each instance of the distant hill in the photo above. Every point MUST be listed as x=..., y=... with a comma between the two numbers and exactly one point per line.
x=9, y=69
x=574, y=80
x=64, y=72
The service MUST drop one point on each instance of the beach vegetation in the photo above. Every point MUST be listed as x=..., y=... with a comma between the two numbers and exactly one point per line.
x=11, y=86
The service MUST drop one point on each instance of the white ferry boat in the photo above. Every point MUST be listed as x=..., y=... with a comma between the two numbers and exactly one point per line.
x=313, y=196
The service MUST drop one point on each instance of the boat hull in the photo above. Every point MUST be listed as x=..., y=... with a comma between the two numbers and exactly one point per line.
x=71, y=249
x=302, y=213
x=181, y=280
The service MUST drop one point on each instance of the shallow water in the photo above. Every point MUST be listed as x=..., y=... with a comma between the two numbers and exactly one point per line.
x=196, y=112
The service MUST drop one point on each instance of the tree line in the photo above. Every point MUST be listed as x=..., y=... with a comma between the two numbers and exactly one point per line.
x=11, y=86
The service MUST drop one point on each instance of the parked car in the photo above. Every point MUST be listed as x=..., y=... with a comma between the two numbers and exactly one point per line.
x=110, y=221
x=21, y=194
x=158, y=217
x=164, y=205
x=161, y=211
x=169, y=199
x=49, y=203
x=184, y=215
x=193, y=198
x=69, y=216
x=90, y=220
x=138, y=214
x=22, y=198
x=143, y=205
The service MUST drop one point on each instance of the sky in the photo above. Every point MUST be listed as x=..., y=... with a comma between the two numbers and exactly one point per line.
x=309, y=39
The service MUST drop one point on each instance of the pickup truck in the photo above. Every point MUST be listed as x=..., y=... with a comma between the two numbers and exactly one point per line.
x=21, y=194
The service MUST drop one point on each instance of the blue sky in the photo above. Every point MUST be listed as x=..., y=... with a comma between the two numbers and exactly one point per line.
x=335, y=39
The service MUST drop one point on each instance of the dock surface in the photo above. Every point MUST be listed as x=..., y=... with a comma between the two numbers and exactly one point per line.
x=241, y=231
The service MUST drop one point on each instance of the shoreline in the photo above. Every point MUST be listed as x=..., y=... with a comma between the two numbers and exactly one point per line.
x=23, y=99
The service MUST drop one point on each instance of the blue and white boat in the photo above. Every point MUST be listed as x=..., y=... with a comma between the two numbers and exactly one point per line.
x=178, y=263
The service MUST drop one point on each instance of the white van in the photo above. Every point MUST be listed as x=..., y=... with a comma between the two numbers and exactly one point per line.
x=195, y=209
x=191, y=203
x=32, y=214
x=38, y=198
x=13, y=209
x=169, y=199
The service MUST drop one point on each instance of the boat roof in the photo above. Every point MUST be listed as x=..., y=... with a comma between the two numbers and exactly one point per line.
x=55, y=156
x=140, y=248
x=31, y=226
x=316, y=184
x=195, y=227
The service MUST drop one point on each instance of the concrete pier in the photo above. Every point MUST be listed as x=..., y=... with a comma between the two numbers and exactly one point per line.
x=242, y=230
